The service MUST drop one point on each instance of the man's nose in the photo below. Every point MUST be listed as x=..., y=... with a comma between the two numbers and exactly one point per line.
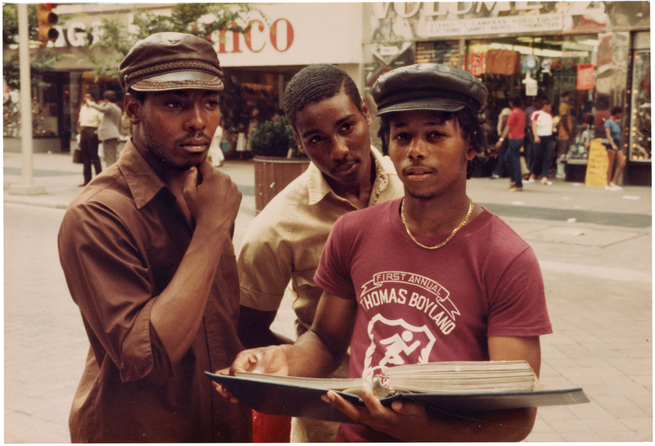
x=339, y=149
x=416, y=148
x=196, y=118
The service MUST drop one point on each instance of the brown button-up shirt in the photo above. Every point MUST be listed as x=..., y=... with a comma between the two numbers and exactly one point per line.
x=120, y=244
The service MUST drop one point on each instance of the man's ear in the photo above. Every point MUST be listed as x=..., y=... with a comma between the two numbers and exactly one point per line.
x=471, y=153
x=366, y=113
x=133, y=109
x=296, y=136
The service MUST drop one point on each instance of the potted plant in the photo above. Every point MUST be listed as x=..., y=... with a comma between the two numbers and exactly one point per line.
x=277, y=159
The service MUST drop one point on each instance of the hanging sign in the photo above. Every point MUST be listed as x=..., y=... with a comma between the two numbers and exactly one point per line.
x=585, y=76
x=531, y=86
x=597, y=163
x=477, y=64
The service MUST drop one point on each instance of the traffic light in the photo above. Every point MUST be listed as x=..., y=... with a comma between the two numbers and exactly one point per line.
x=47, y=19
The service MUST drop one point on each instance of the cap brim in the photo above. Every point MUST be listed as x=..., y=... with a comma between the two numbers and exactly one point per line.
x=436, y=104
x=180, y=80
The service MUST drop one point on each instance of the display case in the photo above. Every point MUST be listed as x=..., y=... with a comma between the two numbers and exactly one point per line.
x=640, y=116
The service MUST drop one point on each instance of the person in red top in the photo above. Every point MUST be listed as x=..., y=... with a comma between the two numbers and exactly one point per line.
x=515, y=131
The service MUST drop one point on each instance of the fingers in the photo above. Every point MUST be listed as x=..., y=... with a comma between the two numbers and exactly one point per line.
x=408, y=409
x=351, y=411
x=191, y=180
x=246, y=361
x=224, y=393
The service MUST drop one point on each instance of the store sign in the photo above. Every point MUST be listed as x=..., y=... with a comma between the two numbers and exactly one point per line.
x=596, y=175
x=283, y=34
x=476, y=64
x=496, y=25
x=390, y=21
x=280, y=36
x=585, y=78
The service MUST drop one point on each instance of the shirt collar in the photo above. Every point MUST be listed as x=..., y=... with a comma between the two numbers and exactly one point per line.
x=143, y=182
x=318, y=187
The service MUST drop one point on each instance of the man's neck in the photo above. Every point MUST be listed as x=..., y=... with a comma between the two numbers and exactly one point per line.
x=357, y=194
x=438, y=215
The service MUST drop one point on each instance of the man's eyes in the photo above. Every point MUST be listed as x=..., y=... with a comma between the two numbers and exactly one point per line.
x=435, y=134
x=210, y=104
x=347, y=126
x=401, y=137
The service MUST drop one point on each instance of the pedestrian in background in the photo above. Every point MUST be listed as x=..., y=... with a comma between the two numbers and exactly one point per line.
x=529, y=144
x=515, y=132
x=565, y=132
x=147, y=254
x=215, y=156
x=109, y=128
x=87, y=126
x=613, y=134
x=542, y=128
x=500, y=169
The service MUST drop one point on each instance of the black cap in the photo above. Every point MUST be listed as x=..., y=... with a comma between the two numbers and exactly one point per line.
x=428, y=86
x=171, y=61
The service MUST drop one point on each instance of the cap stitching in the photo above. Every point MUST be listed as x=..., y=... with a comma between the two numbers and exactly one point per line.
x=439, y=94
x=147, y=84
x=134, y=77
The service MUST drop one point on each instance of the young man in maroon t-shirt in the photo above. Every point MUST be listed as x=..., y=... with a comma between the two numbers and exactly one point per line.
x=428, y=277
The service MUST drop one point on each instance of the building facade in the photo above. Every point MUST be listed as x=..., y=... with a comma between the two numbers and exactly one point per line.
x=598, y=51
x=283, y=38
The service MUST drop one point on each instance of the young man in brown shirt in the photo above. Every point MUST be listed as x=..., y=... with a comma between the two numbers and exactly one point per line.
x=147, y=254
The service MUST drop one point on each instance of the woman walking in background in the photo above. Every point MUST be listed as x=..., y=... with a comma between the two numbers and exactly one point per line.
x=613, y=133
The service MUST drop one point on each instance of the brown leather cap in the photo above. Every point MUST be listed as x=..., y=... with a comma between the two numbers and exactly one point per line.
x=171, y=61
x=428, y=86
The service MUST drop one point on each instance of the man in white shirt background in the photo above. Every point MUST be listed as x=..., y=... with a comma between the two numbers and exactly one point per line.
x=87, y=127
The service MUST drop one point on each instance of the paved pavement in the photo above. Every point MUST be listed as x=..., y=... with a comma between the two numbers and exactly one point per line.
x=594, y=248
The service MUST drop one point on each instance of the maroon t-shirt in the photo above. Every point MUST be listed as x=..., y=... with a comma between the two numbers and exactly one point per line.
x=516, y=124
x=418, y=306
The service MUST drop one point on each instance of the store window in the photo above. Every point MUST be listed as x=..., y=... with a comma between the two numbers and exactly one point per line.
x=546, y=67
x=46, y=100
x=443, y=52
x=640, y=117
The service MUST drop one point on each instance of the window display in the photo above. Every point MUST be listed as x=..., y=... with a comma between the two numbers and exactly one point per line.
x=640, y=118
x=557, y=64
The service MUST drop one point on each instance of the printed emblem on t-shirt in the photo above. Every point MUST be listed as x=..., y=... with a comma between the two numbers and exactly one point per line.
x=397, y=341
x=401, y=343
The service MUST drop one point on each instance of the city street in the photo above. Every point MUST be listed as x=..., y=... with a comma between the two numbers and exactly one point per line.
x=594, y=247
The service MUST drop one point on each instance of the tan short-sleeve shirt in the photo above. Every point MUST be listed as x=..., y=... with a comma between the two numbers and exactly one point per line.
x=283, y=244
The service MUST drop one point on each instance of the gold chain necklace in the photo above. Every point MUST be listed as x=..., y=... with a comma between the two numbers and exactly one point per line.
x=452, y=234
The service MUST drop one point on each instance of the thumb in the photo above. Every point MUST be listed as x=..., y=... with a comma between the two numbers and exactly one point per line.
x=191, y=180
x=408, y=409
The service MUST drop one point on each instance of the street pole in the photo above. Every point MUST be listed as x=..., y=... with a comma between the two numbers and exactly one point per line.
x=27, y=188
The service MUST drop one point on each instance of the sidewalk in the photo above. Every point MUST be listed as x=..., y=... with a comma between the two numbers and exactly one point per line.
x=61, y=177
x=594, y=247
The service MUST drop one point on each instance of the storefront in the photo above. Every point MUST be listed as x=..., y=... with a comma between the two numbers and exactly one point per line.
x=597, y=51
x=283, y=38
